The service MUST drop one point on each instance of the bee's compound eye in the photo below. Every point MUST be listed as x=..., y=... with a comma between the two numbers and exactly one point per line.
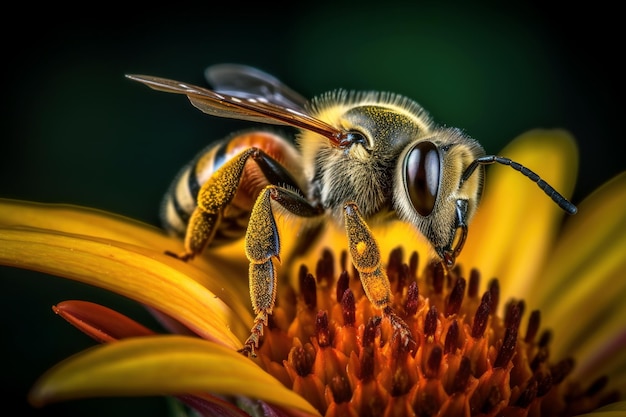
x=422, y=169
x=352, y=138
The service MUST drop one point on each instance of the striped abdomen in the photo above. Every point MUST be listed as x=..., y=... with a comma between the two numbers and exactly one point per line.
x=181, y=199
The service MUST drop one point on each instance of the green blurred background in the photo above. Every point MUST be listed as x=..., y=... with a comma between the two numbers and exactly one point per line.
x=76, y=131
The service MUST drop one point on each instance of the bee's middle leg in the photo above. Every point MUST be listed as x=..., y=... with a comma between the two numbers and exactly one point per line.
x=263, y=250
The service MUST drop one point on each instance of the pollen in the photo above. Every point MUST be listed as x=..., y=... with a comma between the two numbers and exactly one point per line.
x=343, y=355
x=361, y=247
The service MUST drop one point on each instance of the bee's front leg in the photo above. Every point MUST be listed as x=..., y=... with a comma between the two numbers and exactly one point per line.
x=365, y=255
x=263, y=250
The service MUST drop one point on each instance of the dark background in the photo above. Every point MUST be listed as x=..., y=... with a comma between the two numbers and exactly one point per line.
x=76, y=131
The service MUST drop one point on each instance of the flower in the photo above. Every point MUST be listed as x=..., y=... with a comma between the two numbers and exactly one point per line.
x=326, y=350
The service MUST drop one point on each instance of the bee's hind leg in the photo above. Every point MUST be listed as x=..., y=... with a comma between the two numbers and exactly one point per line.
x=218, y=192
x=263, y=250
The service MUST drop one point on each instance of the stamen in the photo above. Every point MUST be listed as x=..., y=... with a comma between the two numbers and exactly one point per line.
x=394, y=264
x=514, y=312
x=343, y=283
x=462, y=376
x=438, y=277
x=302, y=358
x=494, y=290
x=412, y=300
x=369, y=333
x=452, y=337
x=302, y=274
x=322, y=332
x=455, y=298
x=343, y=260
x=366, y=359
x=482, y=315
x=348, y=308
x=430, y=323
x=512, y=322
x=474, y=283
x=533, y=326
x=507, y=349
x=561, y=370
x=413, y=264
x=544, y=383
x=545, y=338
x=340, y=388
x=528, y=395
x=541, y=356
x=355, y=274
x=309, y=291
x=403, y=278
x=325, y=270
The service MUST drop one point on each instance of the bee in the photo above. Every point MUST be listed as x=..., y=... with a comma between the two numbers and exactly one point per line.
x=358, y=158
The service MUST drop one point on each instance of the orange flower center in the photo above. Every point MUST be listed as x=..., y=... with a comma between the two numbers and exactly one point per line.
x=330, y=345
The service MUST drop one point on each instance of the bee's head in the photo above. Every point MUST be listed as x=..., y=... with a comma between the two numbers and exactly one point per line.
x=431, y=192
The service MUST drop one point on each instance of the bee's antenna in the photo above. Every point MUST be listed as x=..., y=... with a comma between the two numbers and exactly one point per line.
x=547, y=188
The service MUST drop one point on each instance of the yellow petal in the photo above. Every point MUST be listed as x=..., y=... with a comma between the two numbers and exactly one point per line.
x=599, y=226
x=97, y=223
x=161, y=365
x=601, y=352
x=82, y=220
x=583, y=282
x=138, y=273
x=595, y=292
x=516, y=223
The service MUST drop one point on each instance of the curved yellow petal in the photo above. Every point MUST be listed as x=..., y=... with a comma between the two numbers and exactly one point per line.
x=161, y=365
x=97, y=223
x=601, y=351
x=585, y=270
x=141, y=274
x=594, y=294
x=598, y=227
x=82, y=220
x=516, y=223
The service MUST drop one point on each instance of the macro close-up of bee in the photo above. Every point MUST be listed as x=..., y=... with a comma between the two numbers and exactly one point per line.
x=358, y=159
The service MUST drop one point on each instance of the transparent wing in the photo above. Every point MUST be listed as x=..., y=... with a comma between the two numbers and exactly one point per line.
x=249, y=82
x=253, y=108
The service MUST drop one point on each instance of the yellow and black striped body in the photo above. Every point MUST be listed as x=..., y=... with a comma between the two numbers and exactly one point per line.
x=181, y=199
